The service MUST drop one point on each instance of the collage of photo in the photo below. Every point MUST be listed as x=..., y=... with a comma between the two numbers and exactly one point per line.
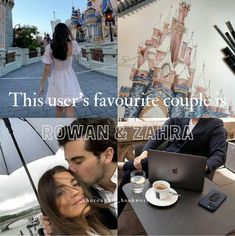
x=117, y=117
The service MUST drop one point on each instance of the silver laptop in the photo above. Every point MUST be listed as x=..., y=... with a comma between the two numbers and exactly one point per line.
x=180, y=170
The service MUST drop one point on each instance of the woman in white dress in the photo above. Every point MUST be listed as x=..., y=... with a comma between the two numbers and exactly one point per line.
x=63, y=88
x=69, y=205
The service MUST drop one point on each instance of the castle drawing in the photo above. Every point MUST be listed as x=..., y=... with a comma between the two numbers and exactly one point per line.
x=165, y=71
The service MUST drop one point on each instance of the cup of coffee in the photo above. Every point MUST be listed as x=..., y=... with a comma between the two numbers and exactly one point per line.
x=162, y=189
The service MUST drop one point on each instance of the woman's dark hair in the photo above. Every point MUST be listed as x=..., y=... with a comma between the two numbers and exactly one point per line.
x=62, y=225
x=59, y=44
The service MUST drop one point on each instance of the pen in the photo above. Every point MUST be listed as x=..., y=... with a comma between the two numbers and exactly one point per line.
x=231, y=29
x=230, y=39
x=225, y=39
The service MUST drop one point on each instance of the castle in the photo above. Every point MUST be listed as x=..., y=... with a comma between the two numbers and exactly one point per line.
x=165, y=71
x=6, y=29
x=90, y=26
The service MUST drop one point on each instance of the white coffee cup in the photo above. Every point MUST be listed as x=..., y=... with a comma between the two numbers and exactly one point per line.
x=162, y=189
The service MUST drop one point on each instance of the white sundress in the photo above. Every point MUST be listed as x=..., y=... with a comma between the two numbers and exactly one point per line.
x=63, y=86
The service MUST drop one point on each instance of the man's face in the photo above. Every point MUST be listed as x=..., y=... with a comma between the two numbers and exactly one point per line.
x=84, y=163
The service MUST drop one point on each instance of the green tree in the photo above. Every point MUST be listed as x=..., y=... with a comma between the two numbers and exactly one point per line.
x=25, y=37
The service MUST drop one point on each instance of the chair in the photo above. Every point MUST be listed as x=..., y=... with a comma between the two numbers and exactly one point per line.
x=230, y=155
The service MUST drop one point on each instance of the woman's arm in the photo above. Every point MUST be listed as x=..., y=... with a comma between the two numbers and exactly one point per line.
x=71, y=35
x=47, y=69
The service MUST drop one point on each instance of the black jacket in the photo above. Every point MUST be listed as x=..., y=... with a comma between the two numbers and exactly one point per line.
x=209, y=139
x=105, y=215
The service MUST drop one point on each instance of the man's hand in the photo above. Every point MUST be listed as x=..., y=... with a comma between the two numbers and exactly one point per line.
x=47, y=226
x=137, y=161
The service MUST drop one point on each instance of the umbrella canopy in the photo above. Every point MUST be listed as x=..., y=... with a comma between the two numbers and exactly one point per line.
x=26, y=140
x=36, y=138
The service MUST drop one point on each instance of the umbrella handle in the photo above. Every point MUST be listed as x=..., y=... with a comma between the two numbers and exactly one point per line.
x=8, y=125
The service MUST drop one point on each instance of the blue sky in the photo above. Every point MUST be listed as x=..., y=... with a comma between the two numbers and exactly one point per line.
x=40, y=12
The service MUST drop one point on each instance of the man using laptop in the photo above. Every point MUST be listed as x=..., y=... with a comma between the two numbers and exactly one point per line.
x=208, y=139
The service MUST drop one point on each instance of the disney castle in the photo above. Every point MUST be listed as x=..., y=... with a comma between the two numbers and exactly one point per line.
x=91, y=25
x=165, y=71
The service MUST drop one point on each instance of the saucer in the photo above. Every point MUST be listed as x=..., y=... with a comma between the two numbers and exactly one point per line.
x=150, y=195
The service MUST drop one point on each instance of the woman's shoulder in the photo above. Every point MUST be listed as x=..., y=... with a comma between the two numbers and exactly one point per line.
x=48, y=47
x=74, y=43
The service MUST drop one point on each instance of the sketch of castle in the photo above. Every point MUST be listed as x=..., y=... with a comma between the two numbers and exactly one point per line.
x=165, y=70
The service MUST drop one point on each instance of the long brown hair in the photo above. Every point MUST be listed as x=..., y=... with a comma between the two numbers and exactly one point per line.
x=62, y=225
x=59, y=44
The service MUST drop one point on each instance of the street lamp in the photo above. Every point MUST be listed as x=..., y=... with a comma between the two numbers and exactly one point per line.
x=80, y=33
x=109, y=20
x=17, y=30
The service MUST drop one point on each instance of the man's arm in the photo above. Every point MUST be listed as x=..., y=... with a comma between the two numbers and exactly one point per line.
x=160, y=136
x=217, y=145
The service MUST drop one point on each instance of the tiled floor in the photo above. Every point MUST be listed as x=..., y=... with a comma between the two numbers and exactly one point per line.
x=27, y=78
x=128, y=223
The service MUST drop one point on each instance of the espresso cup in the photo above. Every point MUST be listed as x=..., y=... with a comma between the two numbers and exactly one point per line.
x=162, y=189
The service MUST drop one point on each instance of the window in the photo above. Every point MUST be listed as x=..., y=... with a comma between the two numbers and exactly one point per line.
x=83, y=53
x=33, y=53
x=97, y=55
x=10, y=57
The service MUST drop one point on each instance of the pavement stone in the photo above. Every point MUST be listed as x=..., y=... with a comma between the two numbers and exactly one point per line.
x=26, y=80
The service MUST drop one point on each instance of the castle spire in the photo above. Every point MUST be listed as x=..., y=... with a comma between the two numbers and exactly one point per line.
x=157, y=32
x=166, y=60
x=159, y=23
x=167, y=22
x=184, y=8
x=165, y=43
x=178, y=30
x=163, y=48
x=89, y=4
x=200, y=85
x=185, y=41
x=188, y=51
x=105, y=5
x=194, y=58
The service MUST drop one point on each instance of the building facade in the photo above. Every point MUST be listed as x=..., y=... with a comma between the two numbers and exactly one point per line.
x=6, y=28
x=91, y=26
x=93, y=33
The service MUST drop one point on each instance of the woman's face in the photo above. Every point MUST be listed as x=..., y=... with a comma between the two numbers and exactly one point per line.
x=70, y=199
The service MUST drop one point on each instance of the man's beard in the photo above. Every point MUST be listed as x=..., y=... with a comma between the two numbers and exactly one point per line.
x=100, y=174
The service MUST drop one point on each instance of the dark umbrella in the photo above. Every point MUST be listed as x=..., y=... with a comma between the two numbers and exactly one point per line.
x=26, y=142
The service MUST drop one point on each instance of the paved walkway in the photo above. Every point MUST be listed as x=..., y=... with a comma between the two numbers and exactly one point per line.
x=28, y=82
